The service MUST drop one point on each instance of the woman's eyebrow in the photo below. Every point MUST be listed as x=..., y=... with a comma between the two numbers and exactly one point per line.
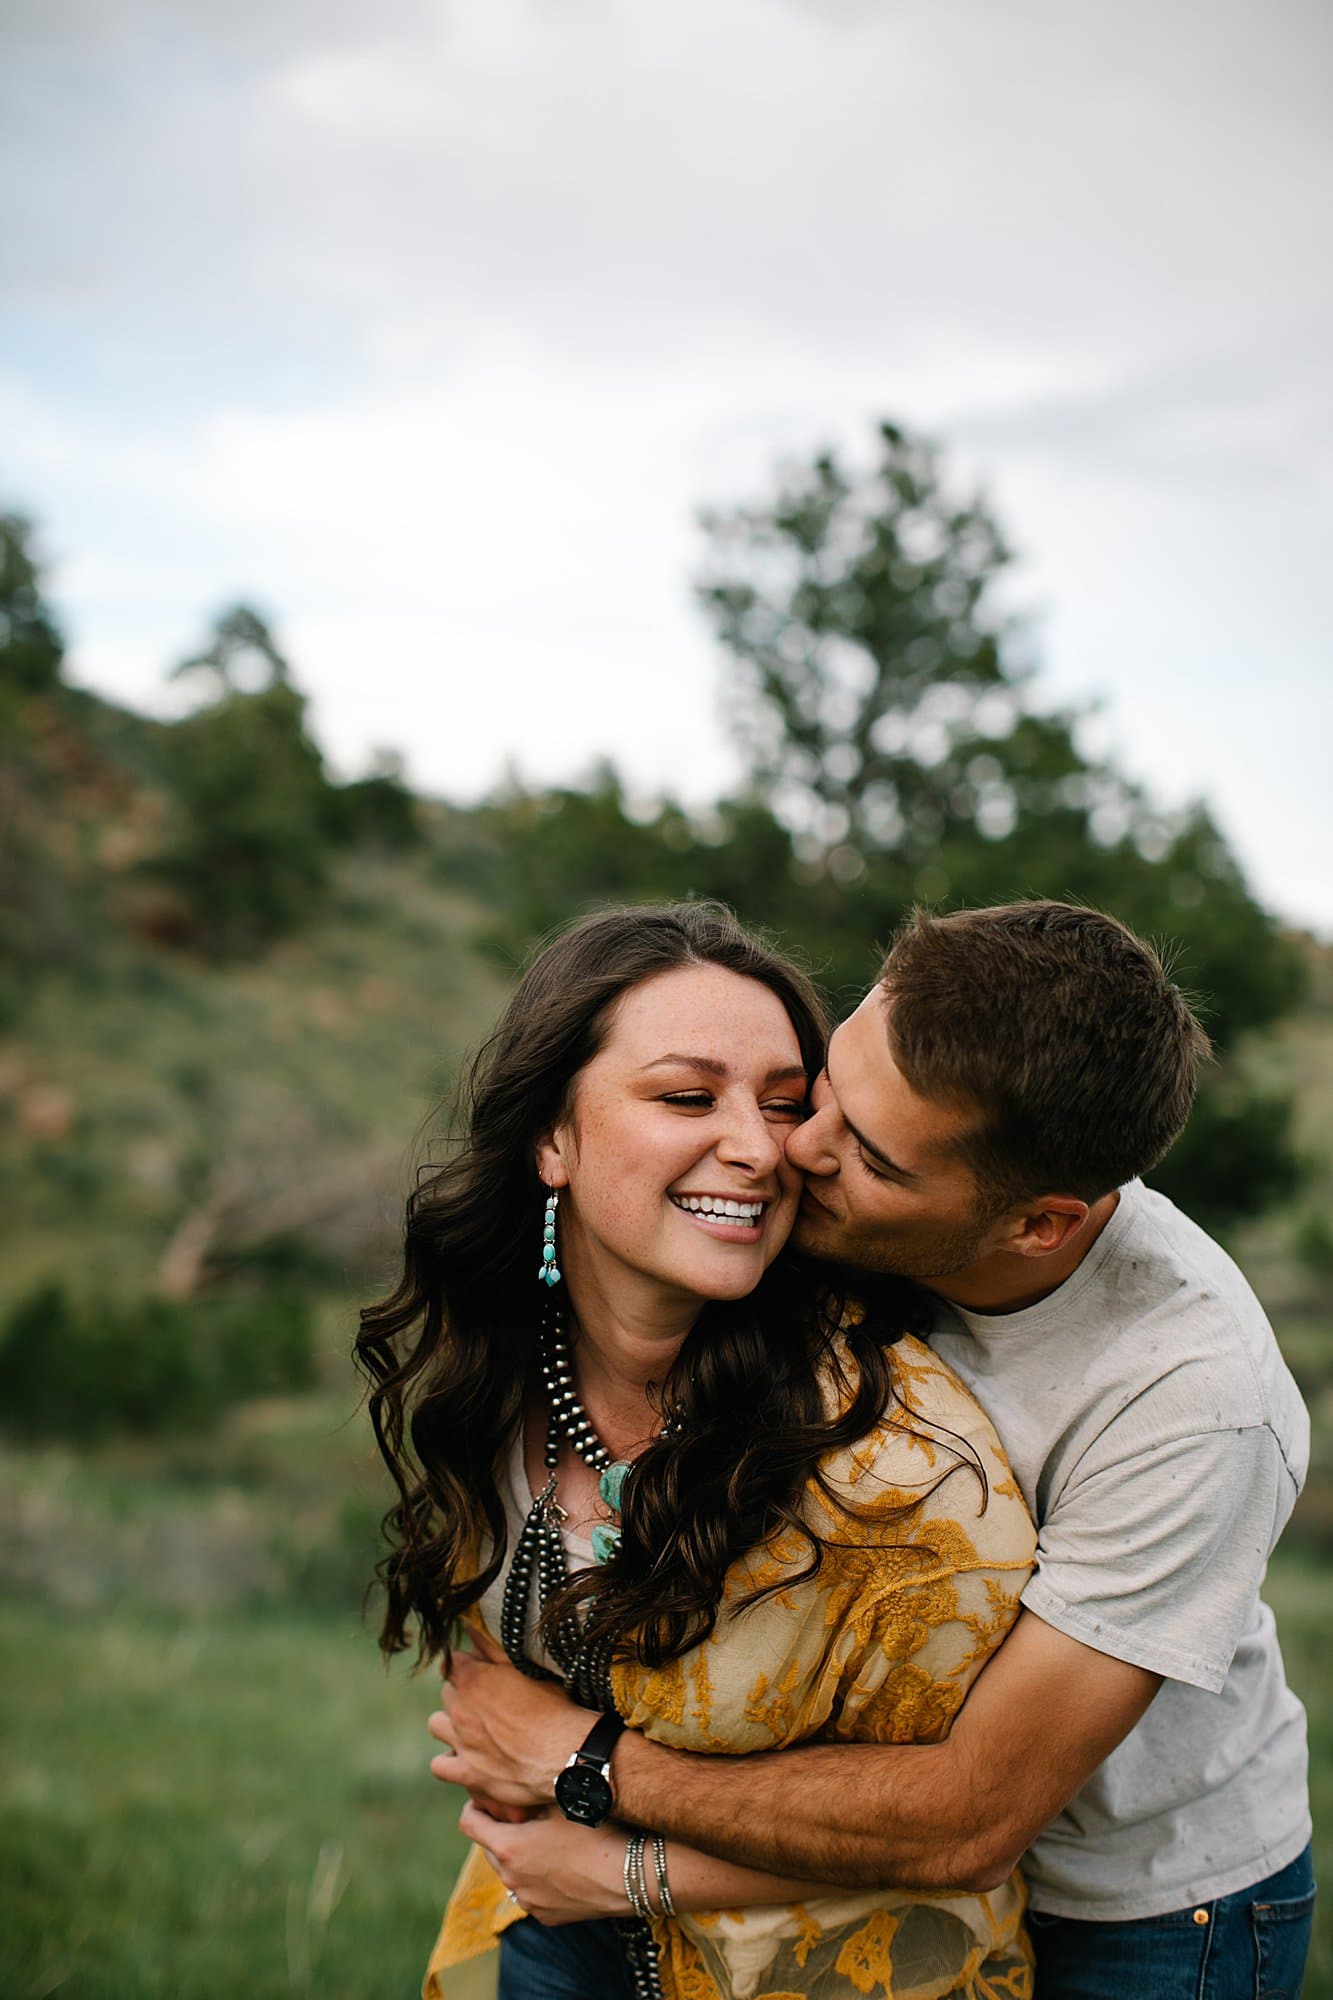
x=707, y=1063
x=785, y=1073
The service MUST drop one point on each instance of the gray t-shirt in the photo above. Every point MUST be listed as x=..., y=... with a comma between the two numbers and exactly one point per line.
x=1160, y=1443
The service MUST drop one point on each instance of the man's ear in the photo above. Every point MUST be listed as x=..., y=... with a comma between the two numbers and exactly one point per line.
x=1044, y=1225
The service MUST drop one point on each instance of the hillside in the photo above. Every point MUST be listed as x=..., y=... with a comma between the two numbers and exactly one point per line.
x=169, y=1109
x=210, y=1786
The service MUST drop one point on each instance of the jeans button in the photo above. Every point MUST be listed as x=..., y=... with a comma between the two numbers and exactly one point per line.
x=1201, y=1916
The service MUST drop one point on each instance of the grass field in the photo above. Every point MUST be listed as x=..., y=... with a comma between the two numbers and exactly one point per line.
x=225, y=1809
x=237, y=1807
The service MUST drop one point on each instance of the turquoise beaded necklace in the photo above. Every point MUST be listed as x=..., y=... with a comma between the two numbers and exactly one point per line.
x=569, y=1421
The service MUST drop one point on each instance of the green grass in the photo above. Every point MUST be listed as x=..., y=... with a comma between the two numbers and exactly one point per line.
x=238, y=1808
x=225, y=1810
x=1301, y=1594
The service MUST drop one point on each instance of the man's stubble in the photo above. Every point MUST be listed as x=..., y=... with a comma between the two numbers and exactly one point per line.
x=919, y=1254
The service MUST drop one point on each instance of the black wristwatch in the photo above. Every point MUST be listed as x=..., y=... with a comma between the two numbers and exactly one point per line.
x=583, y=1788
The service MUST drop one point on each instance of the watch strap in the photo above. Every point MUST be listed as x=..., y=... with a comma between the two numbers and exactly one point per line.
x=601, y=1740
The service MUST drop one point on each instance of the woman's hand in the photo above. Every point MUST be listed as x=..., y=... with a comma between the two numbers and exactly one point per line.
x=558, y=1872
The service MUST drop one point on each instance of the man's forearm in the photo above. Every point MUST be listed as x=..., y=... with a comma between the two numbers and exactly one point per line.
x=861, y=1814
x=1038, y=1721
x=954, y=1815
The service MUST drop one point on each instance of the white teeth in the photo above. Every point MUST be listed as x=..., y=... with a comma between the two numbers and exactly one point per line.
x=707, y=1204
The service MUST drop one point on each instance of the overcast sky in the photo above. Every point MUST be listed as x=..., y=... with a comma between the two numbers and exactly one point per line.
x=428, y=327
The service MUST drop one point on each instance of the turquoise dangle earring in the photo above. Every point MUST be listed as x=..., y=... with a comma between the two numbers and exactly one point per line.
x=548, y=1272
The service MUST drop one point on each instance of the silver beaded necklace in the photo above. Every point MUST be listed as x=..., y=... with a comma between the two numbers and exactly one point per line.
x=539, y=1553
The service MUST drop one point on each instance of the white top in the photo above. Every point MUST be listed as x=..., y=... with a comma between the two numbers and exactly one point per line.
x=517, y=1496
x=1160, y=1443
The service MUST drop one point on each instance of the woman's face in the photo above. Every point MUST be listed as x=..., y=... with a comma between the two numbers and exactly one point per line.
x=672, y=1167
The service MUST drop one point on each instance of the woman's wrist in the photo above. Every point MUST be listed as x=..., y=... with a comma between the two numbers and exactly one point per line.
x=647, y=1886
x=636, y=1878
x=609, y=1870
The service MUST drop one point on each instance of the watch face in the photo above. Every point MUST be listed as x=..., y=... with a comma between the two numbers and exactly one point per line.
x=583, y=1794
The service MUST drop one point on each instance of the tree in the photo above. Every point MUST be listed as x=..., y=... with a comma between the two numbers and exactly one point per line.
x=875, y=695
x=378, y=810
x=46, y=912
x=31, y=649
x=248, y=850
x=241, y=655
x=889, y=725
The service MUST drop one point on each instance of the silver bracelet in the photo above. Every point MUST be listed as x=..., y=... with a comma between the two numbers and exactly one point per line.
x=665, y=1903
x=636, y=1878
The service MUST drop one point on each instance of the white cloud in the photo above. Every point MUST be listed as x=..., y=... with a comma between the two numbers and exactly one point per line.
x=430, y=326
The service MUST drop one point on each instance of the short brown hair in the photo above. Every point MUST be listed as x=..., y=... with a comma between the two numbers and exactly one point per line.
x=1061, y=1026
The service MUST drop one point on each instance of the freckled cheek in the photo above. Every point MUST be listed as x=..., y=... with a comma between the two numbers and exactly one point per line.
x=621, y=1181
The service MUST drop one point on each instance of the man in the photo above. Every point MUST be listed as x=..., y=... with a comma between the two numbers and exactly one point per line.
x=981, y=1126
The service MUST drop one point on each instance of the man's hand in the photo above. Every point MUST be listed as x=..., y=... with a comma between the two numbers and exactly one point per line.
x=558, y=1873
x=506, y=1736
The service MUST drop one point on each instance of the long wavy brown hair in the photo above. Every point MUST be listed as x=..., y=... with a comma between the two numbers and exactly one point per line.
x=450, y=1354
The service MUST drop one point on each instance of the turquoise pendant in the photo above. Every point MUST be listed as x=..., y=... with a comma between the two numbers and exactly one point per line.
x=605, y=1541
x=612, y=1484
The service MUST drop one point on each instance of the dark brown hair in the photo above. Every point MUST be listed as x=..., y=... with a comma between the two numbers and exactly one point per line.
x=1060, y=1027
x=450, y=1353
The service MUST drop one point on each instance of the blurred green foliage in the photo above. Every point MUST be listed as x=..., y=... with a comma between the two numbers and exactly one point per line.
x=83, y=1369
x=1313, y=1244
x=871, y=686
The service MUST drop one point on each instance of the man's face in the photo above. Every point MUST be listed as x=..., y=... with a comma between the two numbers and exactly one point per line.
x=886, y=1189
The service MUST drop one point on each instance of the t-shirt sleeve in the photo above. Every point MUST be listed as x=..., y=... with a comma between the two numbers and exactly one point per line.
x=1155, y=1558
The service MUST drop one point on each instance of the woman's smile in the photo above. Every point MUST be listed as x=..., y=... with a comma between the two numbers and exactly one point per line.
x=734, y=1218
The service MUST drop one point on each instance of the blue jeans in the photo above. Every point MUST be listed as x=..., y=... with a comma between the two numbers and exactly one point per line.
x=1250, y=1946
x=572, y=1962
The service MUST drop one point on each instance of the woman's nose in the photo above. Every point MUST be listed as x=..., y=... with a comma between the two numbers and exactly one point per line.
x=750, y=1140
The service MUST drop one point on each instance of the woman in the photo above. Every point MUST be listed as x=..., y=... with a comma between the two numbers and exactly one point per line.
x=652, y=1454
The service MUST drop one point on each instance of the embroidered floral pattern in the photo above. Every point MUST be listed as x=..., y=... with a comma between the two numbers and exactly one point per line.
x=916, y=1590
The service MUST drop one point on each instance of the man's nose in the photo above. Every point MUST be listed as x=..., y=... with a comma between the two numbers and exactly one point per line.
x=811, y=1146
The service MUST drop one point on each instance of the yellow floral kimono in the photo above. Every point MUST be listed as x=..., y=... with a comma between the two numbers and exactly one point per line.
x=880, y=1646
